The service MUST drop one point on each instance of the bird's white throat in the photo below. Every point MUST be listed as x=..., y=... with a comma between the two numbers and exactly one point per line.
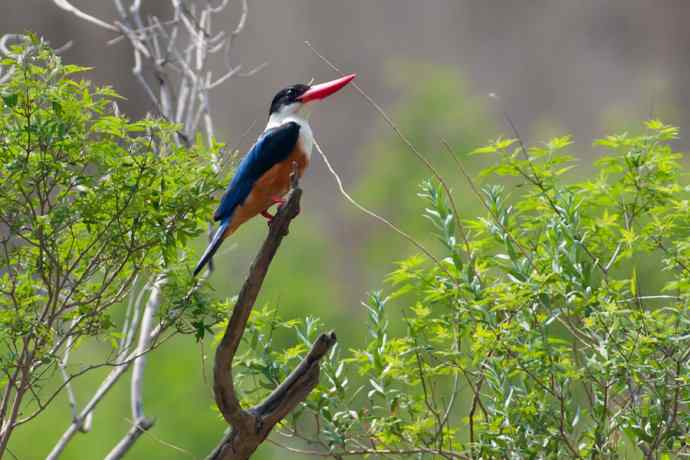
x=300, y=116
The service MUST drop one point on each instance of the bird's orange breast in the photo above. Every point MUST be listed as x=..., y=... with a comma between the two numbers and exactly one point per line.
x=274, y=183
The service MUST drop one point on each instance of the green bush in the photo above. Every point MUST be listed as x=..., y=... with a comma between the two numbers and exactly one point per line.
x=558, y=328
x=89, y=202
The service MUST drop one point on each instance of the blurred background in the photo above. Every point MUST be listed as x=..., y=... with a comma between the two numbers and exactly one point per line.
x=557, y=66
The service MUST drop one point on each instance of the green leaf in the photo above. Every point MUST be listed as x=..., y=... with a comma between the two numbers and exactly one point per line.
x=10, y=100
x=633, y=283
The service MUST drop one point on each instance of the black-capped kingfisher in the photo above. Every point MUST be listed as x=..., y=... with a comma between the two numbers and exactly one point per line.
x=263, y=176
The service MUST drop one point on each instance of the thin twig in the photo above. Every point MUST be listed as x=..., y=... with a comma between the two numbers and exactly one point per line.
x=410, y=146
x=370, y=213
x=476, y=192
x=67, y=6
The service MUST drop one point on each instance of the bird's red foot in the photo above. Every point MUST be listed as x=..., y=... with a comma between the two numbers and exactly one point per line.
x=278, y=200
x=267, y=215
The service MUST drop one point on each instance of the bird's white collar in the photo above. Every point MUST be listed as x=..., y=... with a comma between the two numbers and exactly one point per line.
x=306, y=137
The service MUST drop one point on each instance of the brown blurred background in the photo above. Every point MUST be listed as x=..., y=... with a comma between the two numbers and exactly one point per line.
x=570, y=62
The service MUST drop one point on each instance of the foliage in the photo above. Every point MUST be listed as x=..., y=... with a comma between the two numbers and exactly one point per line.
x=561, y=331
x=89, y=201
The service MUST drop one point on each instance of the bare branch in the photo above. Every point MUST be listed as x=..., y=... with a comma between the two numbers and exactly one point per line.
x=140, y=423
x=67, y=6
x=5, y=39
x=235, y=33
x=298, y=384
x=251, y=427
x=100, y=393
x=84, y=425
x=224, y=388
x=120, y=367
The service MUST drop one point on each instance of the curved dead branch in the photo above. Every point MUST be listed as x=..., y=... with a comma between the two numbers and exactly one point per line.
x=250, y=427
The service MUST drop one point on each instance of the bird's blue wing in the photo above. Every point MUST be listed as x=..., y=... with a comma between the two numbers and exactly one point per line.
x=272, y=147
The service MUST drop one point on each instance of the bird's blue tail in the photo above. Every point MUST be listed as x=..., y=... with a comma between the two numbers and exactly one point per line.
x=212, y=247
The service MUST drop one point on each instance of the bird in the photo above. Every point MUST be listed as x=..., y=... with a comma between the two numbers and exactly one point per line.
x=263, y=176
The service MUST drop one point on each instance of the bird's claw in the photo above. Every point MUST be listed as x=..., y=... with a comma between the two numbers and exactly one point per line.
x=275, y=200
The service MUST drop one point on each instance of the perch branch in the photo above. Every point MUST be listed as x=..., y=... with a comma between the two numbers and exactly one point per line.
x=250, y=427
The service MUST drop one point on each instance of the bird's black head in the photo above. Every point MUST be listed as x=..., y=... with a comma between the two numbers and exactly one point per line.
x=288, y=96
x=295, y=96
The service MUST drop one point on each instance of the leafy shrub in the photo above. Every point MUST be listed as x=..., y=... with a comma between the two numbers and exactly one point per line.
x=89, y=201
x=558, y=327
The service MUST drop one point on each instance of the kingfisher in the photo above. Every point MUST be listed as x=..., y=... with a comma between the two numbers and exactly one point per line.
x=263, y=176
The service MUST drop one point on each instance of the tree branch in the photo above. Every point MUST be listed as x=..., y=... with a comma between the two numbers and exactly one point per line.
x=251, y=427
x=140, y=423
x=67, y=6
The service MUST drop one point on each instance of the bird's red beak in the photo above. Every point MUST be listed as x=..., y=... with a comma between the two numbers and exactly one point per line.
x=323, y=90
